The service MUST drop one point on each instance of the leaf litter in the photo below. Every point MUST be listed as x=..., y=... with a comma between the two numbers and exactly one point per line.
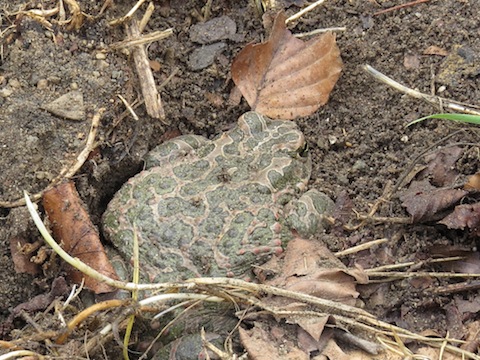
x=286, y=77
x=72, y=227
x=435, y=195
x=307, y=267
x=318, y=278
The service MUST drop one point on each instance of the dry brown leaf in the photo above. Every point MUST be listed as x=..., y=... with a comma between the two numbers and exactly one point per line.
x=432, y=353
x=441, y=166
x=424, y=201
x=465, y=216
x=72, y=228
x=473, y=182
x=286, y=77
x=411, y=61
x=21, y=260
x=473, y=338
x=310, y=268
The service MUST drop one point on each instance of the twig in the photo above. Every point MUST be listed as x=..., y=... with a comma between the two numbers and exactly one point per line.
x=146, y=17
x=412, y=263
x=128, y=15
x=304, y=11
x=397, y=7
x=129, y=107
x=142, y=39
x=153, y=101
x=409, y=275
x=432, y=99
x=320, y=31
x=361, y=247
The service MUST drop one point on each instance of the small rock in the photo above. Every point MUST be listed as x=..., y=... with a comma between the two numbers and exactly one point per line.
x=219, y=28
x=14, y=83
x=6, y=92
x=100, y=56
x=68, y=106
x=54, y=79
x=203, y=57
x=117, y=74
x=42, y=84
x=359, y=165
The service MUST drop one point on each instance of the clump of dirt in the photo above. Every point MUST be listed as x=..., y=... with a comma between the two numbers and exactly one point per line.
x=358, y=140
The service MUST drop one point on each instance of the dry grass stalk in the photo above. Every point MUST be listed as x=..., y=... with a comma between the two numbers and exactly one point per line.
x=432, y=99
x=142, y=39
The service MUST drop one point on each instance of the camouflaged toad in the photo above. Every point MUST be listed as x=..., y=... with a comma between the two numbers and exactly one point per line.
x=217, y=207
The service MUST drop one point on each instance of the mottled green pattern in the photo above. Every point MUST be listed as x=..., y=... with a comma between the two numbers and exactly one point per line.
x=216, y=208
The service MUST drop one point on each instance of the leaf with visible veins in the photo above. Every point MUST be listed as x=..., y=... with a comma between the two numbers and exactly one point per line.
x=73, y=228
x=286, y=77
x=466, y=216
x=424, y=201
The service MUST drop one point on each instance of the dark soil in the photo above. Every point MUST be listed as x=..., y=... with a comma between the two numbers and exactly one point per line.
x=358, y=141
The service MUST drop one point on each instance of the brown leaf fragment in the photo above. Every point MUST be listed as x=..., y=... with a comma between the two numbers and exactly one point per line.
x=441, y=166
x=472, y=305
x=435, y=50
x=473, y=182
x=310, y=268
x=411, y=61
x=20, y=258
x=286, y=77
x=432, y=353
x=472, y=342
x=465, y=216
x=424, y=202
x=315, y=326
x=40, y=302
x=73, y=229
x=454, y=319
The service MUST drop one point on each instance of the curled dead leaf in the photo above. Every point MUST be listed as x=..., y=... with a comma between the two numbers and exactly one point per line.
x=466, y=216
x=286, y=77
x=424, y=201
x=473, y=182
x=72, y=228
x=21, y=258
x=310, y=268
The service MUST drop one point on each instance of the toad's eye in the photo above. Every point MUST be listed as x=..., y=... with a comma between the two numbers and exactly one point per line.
x=303, y=151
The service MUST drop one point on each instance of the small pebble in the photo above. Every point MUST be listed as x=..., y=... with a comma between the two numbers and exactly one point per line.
x=220, y=28
x=68, y=106
x=42, y=84
x=6, y=92
x=100, y=56
x=14, y=83
x=117, y=74
x=205, y=56
x=359, y=165
x=54, y=79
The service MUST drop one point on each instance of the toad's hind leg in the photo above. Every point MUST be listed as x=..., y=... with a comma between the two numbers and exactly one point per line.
x=309, y=214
